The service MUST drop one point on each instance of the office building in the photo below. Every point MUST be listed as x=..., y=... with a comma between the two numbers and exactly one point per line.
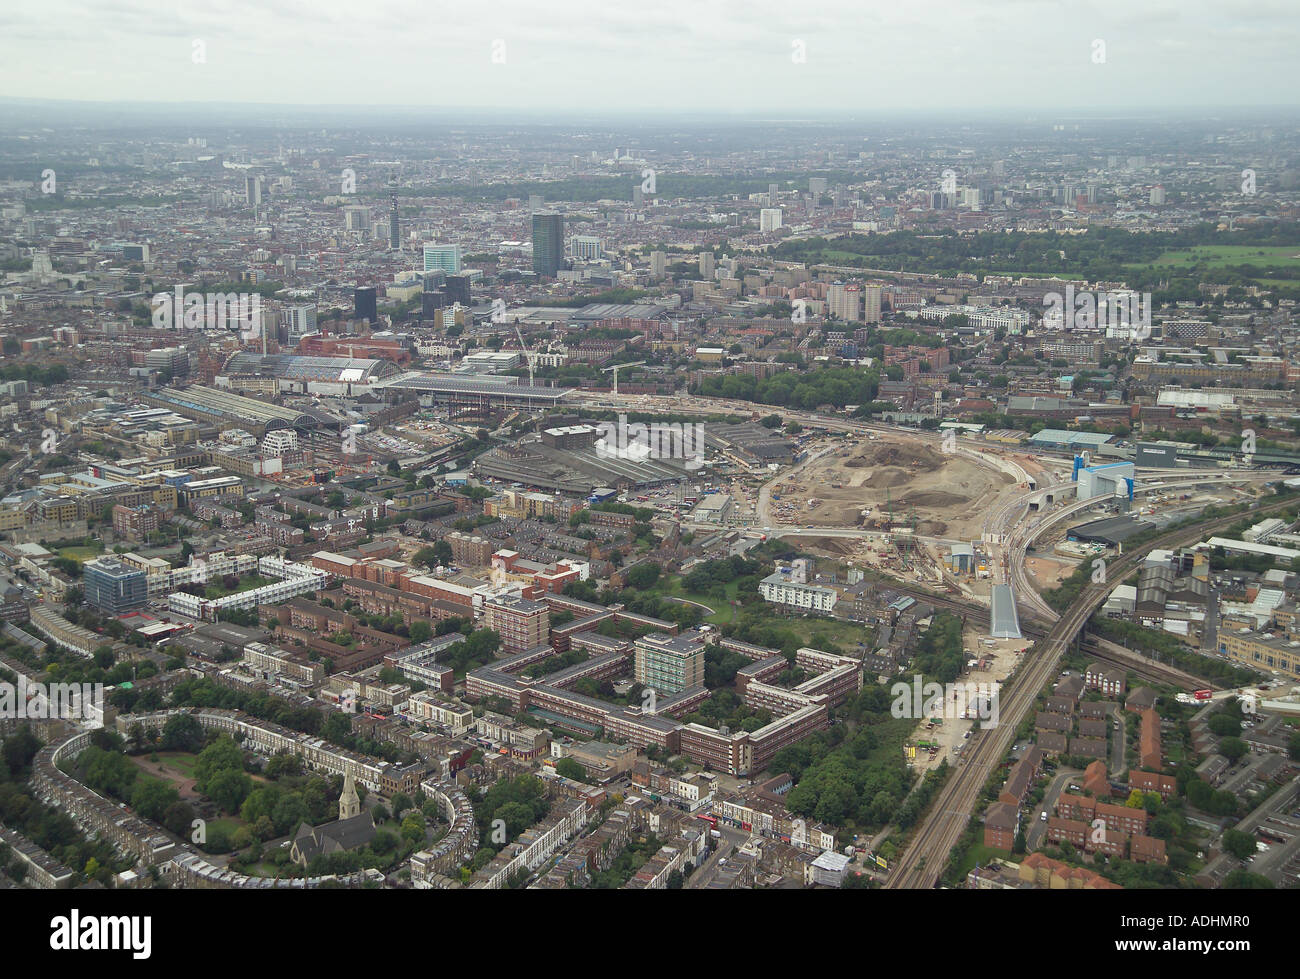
x=548, y=243
x=298, y=321
x=356, y=217
x=588, y=248
x=365, y=304
x=113, y=587
x=457, y=289
x=442, y=258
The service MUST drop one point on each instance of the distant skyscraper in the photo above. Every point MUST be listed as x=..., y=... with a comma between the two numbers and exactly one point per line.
x=706, y=265
x=365, y=304
x=442, y=258
x=253, y=190
x=816, y=186
x=394, y=231
x=845, y=301
x=769, y=219
x=1158, y=195
x=771, y=195
x=535, y=203
x=658, y=264
x=356, y=217
x=871, y=296
x=458, y=289
x=548, y=243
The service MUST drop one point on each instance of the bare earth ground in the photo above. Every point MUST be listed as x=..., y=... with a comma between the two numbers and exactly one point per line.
x=950, y=734
x=949, y=495
x=184, y=784
x=1047, y=573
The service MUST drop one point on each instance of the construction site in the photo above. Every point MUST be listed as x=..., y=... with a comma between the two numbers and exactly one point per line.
x=888, y=485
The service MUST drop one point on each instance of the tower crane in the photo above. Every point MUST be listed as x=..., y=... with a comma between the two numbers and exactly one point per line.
x=528, y=355
x=618, y=367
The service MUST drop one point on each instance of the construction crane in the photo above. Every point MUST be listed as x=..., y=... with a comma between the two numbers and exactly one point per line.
x=618, y=367
x=528, y=355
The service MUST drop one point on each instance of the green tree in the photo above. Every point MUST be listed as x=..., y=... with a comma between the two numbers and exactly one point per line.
x=152, y=797
x=1240, y=845
x=229, y=788
x=1232, y=748
x=571, y=769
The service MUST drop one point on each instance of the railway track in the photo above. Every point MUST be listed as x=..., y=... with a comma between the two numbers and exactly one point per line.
x=1147, y=669
x=925, y=857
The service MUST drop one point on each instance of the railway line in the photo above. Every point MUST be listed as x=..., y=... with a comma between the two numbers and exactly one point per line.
x=924, y=859
x=1035, y=628
x=1144, y=667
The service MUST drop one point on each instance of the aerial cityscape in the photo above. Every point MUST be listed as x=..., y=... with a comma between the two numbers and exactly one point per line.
x=426, y=499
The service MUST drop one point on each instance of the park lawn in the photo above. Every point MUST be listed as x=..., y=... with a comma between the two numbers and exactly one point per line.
x=846, y=635
x=723, y=612
x=228, y=823
x=182, y=761
x=1223, y=256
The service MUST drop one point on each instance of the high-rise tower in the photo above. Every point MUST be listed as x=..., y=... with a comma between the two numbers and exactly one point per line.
x=548, y=243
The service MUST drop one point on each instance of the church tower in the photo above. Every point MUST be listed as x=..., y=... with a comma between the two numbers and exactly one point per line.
x=349, y=804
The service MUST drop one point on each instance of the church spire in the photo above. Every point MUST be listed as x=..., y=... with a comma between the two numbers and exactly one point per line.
x=349, y=803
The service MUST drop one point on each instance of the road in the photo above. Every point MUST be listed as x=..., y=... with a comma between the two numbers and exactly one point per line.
x=1037, y=827
x=732, y=839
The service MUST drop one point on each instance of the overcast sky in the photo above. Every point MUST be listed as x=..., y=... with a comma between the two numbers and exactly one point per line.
x=861, y=56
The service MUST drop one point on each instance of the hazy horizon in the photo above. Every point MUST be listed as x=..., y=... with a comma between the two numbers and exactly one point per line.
x=690, y=57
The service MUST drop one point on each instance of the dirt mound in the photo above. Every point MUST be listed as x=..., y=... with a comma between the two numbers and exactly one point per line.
x=887, y=478
x=934, y=498
x=836, y=545
x=903, y=456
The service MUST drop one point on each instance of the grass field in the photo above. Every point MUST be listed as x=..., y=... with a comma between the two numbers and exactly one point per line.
x=846, y=635
x=228, y=823
x=179, y=760
x=82, y=554
x=983, y=855
x=723, y=611
x=1223, y=256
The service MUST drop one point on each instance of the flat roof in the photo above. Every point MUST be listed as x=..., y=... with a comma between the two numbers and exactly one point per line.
x=1004, y=622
